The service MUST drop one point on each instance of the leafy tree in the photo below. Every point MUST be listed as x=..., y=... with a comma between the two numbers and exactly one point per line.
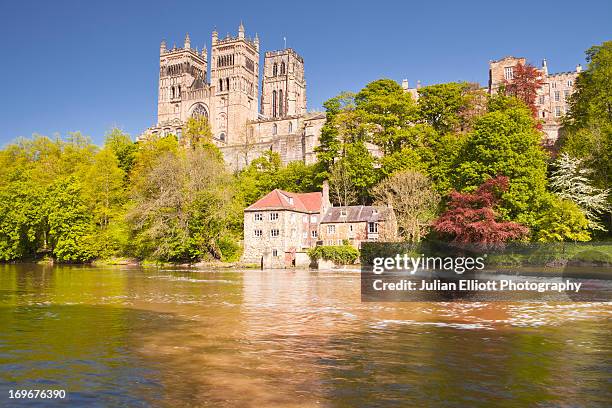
x=524, y=85
x=570, y=181
x=124, y=149
x=506, y=142
x=564, y=221
x=337, y=109
x=197, y=131
x=471, y=218
x=412, y=197
x=69, y=222
x=441, y=105
x=344, y=192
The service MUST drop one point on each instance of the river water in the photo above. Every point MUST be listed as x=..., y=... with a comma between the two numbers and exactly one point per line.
x=155, y=337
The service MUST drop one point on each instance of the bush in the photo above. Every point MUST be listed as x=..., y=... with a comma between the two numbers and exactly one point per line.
x=339, y=254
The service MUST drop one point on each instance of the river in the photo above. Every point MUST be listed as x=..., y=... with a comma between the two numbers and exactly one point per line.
x=169, y=337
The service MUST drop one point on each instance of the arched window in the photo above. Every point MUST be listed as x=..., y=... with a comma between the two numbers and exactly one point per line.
x=222, y=137
x=273, y=104
x=179, y=91
x=227, y=83
x=280, y=103
x=220, y=84
x=290, y=127
x=274, y=129
x=172, y=93
x=275, y=69
x=282, y=68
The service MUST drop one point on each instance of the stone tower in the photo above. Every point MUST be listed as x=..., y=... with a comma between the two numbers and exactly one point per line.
x=283, y=86
x=234, y=79
x=180, y=70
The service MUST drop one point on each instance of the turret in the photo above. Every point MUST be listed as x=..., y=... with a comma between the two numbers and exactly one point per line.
x=215, y=36
x=544, y=67
x=256, y=41
x=241, y=30
x=579, y=68
x=187, y=42
x=405, y=84
x=204, y=51
x=162, y=47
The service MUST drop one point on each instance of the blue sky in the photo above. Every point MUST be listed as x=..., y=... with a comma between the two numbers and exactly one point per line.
x=76, y=65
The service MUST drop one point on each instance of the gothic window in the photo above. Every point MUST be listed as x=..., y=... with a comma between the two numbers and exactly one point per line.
x=179, y=91
x=274, y=129
x=280, y=103
x=199, y=110
x=220, y=84
x=172, y=92
x=275, y=69
x=282, y=68
x=227, y=83
x=290, y=127
x=222, y=137
x=273, y=104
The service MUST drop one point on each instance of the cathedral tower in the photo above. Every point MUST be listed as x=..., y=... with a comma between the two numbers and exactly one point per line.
x=234, y=80
x=181, y=71
x=283, y=86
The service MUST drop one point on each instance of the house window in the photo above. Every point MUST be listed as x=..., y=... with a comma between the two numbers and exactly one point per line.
x=274, y=233
x=570, y=83
x=274, y=129
x=554, y=85
x=557, y=96
x=373, y=227
x=541, y=99
x=290, y=127
x=313, y=233
x=331, y=229
x=258, y=233
x=566, y=93
x=273, y=216
x=258, y=217
x=275, y=252
x=557, y=111
x=509, y=73
x=313, y=219
x=351, y=227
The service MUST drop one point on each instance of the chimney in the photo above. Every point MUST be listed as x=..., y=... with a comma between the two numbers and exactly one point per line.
x=578, y=68
x=325, y=204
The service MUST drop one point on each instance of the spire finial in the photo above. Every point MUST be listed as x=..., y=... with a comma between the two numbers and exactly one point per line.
x=187, y=41
x=241, y=30
x=162, y=47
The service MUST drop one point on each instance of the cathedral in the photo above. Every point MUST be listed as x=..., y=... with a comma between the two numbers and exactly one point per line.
x=244, y=123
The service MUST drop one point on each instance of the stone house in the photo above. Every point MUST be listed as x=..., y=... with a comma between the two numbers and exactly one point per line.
x=357, y=224
x=280, y=227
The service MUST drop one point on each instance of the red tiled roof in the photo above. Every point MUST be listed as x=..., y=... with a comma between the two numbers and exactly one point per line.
x=281, y=200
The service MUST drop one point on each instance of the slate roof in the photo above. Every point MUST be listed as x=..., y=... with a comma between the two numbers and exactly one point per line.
x=281, y=200
x=356, y=213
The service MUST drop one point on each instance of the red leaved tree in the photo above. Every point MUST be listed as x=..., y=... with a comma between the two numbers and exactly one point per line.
x=525, y=83
x=470, y=218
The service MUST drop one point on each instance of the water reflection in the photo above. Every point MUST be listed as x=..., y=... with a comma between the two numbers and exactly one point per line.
x=164, y=337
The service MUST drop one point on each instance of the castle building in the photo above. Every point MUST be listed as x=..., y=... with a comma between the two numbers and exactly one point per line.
x=552, y=99
x=244, y=123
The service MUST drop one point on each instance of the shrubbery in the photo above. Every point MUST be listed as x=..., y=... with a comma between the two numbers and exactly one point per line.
x=339, y=254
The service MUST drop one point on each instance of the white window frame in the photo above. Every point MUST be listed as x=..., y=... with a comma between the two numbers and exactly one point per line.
x=273, y=216
x=274, y=233
x=258, y=233
x=331, y=229
x=258, y=217
x=373, y=230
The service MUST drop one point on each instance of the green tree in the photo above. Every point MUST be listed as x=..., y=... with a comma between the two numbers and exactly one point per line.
x=441, y=105
x=506, y=142
x=562, y=221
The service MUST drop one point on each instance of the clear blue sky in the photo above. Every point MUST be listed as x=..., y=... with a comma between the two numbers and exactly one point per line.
x=76, y=65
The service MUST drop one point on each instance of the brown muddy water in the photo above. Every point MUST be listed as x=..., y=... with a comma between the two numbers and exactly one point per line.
x=155, y=337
